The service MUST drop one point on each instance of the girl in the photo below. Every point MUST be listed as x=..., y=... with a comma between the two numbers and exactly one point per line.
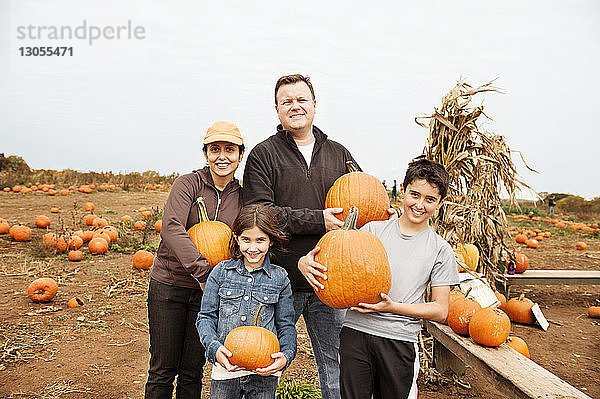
x=174, y=293
x=233, y=292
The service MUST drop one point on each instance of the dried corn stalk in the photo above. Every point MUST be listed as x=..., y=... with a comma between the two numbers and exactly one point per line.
x=479, y=164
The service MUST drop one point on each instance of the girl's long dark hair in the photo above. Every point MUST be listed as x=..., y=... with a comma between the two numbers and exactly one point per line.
x=260, y=216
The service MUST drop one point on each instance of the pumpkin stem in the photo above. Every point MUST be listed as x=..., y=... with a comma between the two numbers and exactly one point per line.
x=257, y=315
x=351, y=167
x=350, y=223
x=202, y=214
x=521, y=297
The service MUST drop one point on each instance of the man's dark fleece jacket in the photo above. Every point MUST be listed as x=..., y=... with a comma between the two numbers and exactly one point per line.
x=276, y=175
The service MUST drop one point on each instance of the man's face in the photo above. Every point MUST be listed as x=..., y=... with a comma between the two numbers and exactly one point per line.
x=421, y=199
x=295, y=107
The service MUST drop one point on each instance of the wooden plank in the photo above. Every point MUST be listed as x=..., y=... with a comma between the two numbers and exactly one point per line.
x=508, y=370
x=548, y=277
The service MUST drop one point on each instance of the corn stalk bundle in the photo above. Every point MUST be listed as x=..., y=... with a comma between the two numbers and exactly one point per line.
x=479, y=164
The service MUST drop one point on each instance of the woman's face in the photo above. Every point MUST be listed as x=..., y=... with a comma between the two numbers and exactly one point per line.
x=223, y=158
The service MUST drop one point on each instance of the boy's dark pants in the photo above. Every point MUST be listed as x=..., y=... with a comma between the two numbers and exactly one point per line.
x=370, y=365
x=175, y=348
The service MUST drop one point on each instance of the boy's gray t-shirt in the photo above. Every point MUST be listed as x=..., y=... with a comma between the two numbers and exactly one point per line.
x=415, y=261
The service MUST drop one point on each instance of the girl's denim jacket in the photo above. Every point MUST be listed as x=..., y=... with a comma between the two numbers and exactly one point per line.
x=231, y=297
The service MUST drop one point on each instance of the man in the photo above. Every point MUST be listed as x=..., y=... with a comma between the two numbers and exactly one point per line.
x=291, y=172
x=551, y=203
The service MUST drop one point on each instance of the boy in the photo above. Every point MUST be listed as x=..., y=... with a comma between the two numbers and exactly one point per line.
x=378, y=343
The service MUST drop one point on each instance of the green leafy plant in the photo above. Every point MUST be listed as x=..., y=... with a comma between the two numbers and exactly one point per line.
x=290, y=389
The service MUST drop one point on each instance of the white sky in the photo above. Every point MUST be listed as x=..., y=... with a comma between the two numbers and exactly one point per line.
x=134, y=105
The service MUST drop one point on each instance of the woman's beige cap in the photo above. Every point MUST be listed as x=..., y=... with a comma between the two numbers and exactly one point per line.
x=223, y=131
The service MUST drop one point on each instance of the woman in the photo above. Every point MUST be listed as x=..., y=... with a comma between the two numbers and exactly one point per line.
x=175, y=293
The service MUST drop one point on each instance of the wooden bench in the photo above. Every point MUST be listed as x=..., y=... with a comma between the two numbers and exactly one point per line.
x=547, y=277
x=510, y=372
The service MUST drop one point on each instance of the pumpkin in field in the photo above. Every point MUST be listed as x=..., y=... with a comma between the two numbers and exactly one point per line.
x=64, y=192
x=86, y=236
x=54, y=210
x=470, y=254
x=146, y=214
x=521, y=238
x=361, y=190
x=141, y=225
x=460, y=313
x=75, y=256
x=594, y=312
x=519, y=310
x=158, y=225
x=143, y=260
x=252, y=346
x=89, y=219
x=489, y=327
x=4, y=227
x=532, y=243
x=126, y=219
x=42, y=221
x=75, y=302
x=42, y=289
x=99, y=222
x=211, y=238
x=519, y=345
x=112, y=232
x=522, y=263
x=89, y=206
x=75, y=242
x=357, y=266
x=20, y=233
x=98, y=246
x=580, y=246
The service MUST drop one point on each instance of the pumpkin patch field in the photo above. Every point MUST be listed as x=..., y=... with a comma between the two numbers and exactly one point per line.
x=89, y=339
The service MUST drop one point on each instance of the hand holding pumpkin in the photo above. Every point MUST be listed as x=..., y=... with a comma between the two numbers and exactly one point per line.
x=332, y=222
x=312, y=269
x=278, y=364
x=385, y=305
x=223, y=354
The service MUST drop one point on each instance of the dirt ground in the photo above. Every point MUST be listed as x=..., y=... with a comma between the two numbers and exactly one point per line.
x=100, y=350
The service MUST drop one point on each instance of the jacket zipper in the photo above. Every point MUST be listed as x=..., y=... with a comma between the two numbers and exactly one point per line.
x=218, y=203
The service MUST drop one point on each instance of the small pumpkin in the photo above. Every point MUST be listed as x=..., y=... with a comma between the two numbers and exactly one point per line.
x=99, y=223
x=519, y=345
x=4, y=227
x=64, y=192
x=580, y=246
x=519, y=310
x=42, y=289
x=89, y=219
x=252, y=346
x=75, y=302
x=75, y=256
x=521, y=238
x=522, y=263
x=98, y=246
x=143, y=260
x=460, y=313
x=361, y=190
x=502, y=300
x=89, y=206
x=594, y=312
x=489, y=327
x=102, y=234
x=75, y=242
x=141, y=225
x=211, y=238
x=126, y=219
x=51, y=192
x=532, y=243
x=42, y=221
x=146, y=214
x=358, y=269
x=112, y=232
x=158, y=225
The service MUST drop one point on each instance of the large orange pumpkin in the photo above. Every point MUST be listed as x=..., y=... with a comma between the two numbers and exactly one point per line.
x=357, y=266
x=361, y=190
x=460, y=313
x=522, y=263
x=252, y=346
x=519, y=345
x=143, y=259
x=42, y=289
x=489, y=327
x=98, y=246
x=519, y=310
x=211, y=238
x=20, y=233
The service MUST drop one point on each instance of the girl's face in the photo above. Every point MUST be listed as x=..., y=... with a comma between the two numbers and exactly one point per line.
x=254, y=246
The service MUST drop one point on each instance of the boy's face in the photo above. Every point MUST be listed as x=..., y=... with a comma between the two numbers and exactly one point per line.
x=421, y=199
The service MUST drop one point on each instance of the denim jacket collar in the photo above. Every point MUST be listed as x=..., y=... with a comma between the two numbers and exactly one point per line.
x=238, y=264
